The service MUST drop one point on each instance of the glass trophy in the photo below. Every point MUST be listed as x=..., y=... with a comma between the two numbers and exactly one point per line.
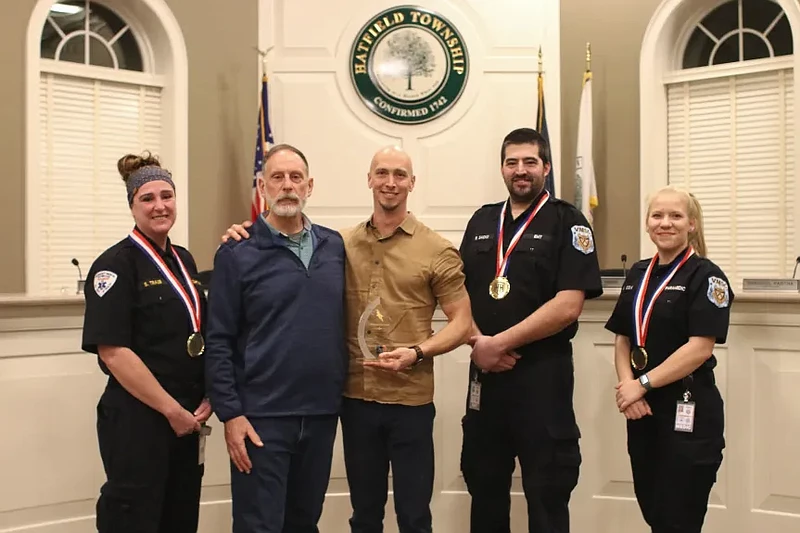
x=374, y=330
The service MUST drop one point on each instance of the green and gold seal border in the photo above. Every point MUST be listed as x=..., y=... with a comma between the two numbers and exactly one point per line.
x=388, y=107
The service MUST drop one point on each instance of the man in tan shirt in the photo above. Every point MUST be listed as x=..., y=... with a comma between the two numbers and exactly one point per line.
x=388, y=411
x=387, y=415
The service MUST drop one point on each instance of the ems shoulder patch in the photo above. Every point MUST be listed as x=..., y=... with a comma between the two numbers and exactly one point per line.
x=718, y=293
x=582, y=239
x=103, y=281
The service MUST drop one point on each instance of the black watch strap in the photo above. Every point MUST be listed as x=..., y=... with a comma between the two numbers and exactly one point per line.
x=420, y=355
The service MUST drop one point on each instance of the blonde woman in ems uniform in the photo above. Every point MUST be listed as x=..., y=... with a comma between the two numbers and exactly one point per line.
x=672, y=310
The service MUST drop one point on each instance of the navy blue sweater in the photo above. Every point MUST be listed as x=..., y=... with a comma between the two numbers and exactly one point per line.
x=275, y=338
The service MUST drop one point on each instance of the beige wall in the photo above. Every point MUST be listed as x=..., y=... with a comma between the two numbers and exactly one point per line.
x=615, y=29
x=223, y=74
x=223, y=92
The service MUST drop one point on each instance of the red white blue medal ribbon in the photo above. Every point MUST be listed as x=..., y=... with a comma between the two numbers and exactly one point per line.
x=193, y=304
x=502, y=259
x=642, y=320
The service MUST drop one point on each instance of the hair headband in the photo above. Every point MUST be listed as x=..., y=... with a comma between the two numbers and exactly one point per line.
x=145, y=175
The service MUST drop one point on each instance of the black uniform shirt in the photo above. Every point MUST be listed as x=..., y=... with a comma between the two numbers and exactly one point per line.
x=555, y=253
x=696, y=302
x=129, y=303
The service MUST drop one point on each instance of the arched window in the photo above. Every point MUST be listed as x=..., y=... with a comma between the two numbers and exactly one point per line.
x=730, y=134
x=103, y=91
x=739, y=30
x=90, y=34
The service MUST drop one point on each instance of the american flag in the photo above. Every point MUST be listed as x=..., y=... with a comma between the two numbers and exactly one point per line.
x=263, y=142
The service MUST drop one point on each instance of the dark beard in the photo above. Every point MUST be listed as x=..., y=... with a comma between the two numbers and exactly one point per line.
x=524, y=198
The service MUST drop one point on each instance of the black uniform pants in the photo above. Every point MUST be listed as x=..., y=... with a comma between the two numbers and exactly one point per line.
x=285, y=490
x=153, y=477
x=673, y=472
x=527, y=415
x=375, y=435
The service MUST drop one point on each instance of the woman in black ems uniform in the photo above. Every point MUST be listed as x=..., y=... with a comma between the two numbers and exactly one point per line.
x=145, y=319
x=671, y=311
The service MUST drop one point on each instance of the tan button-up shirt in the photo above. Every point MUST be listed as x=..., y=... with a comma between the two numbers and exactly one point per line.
x=409, y=271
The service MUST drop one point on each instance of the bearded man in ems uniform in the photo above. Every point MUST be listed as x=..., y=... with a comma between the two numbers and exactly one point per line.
x=530, y=262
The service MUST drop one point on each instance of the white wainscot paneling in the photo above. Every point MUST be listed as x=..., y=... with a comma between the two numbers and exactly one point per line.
x=52, y=471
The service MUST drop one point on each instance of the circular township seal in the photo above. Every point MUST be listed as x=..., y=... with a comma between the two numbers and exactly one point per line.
x=409, y=65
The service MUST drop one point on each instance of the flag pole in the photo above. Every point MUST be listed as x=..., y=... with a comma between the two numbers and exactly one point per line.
x=540, y=60
x=588, y=57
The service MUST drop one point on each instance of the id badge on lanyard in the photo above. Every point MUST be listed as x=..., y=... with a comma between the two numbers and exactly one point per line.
x=684, y=414
x=475, y=393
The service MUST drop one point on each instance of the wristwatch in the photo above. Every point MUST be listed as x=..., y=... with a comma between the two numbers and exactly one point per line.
x=420, y=355
x=645, y=381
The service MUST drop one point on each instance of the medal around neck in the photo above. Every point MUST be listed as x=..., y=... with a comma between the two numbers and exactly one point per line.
x=500, y=287
x=639, y=357
x=195, y=345
x=642, y=311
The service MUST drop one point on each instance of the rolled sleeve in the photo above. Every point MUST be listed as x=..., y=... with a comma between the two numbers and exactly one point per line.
x=448, y=276
x=224, y=308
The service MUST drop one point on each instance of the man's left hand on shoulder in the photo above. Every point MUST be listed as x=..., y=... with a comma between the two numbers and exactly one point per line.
x=397, y=359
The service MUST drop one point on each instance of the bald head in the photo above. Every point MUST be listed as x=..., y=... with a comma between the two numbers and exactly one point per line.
x=392, y=157
x=391, y=178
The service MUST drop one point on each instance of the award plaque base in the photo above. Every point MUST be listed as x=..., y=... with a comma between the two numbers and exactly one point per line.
x=771, y=284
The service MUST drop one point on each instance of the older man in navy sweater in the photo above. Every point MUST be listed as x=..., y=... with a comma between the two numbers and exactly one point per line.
x=276, y=359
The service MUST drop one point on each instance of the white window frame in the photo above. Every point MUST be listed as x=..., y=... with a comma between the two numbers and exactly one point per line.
x=158, y=35
x=661, y=61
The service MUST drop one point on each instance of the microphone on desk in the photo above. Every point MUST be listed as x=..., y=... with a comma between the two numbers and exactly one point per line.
x=624, y=259
x=81, y=281
x=796, y=261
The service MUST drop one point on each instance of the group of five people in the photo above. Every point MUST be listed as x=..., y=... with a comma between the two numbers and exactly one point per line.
x=277, y=352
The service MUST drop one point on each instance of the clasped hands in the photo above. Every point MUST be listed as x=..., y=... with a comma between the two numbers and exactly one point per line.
x=490, y=356
x=630, y=399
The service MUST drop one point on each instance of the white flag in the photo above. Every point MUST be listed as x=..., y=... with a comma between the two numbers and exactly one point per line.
x=585, y=187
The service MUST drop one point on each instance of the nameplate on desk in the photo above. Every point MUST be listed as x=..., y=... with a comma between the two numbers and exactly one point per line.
x=612, y=282
x=771, y=284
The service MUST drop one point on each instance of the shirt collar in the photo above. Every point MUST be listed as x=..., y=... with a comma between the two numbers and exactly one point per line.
x=524, y=214
x=306, y=226
x=167, y=252
x=409, y=224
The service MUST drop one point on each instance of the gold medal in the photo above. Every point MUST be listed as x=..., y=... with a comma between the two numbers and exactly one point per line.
x=195, y=345
x=639, y=358
x=499, y=288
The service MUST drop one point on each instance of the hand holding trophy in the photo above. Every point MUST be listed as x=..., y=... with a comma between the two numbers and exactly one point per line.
x=378, y=347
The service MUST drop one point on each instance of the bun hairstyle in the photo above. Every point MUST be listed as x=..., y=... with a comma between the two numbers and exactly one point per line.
x=130, y=163
x=136, y=170
x=693, y=210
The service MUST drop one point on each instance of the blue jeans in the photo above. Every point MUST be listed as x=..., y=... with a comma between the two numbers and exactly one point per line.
x=285, y=489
